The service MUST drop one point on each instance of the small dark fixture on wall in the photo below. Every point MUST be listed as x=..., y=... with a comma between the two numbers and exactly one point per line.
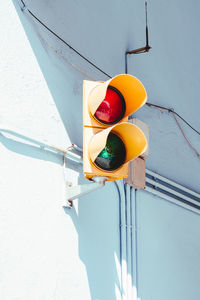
x=147, y=47
x=143, y=49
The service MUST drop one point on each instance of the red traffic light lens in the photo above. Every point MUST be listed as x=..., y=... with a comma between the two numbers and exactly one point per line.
x=113, y=155
x=112, y=108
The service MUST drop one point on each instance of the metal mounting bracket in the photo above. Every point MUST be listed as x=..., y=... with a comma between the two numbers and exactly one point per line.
x=73, y=192
x=139, y=50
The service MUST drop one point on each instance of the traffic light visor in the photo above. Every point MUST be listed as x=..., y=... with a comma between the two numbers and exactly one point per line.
x=109, y=149
x=117, y=98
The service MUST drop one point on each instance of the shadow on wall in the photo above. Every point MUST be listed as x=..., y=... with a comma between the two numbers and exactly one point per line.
x=64, y=82
x=97, y=225
x=97, y=219
x=35, y=149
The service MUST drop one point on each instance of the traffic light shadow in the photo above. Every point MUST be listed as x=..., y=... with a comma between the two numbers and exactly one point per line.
x=95, y=224
x=96, y=219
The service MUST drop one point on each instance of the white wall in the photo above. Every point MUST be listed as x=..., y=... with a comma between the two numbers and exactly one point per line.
x=48, y=252
x=167, y=250
x=102, y=32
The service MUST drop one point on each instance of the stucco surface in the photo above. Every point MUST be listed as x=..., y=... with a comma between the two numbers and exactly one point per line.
x=103, y=32
x=43, y=246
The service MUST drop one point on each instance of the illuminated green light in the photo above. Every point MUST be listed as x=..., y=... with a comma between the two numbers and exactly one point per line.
x=104, y=153
x=113, y=155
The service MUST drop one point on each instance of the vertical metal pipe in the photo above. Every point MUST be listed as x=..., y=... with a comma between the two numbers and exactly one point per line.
x=126, y=63
x=128, y=242
x=123, y=240
x=133, y=194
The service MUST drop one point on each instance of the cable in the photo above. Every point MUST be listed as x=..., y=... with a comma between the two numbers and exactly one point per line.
x=186, y=122
x=179, y=125
x=185, y=136
x=77, y=52
x=70, y=202
x=66, y=59
x=72, y=48
x=171, y=110
x=146, y=13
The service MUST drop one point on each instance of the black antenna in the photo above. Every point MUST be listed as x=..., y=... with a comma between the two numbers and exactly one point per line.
x=147, y=47
x=147, y=34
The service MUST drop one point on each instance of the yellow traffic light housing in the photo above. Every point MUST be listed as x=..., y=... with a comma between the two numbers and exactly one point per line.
x=109, y=141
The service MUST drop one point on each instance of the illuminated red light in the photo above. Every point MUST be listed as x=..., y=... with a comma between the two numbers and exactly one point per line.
x=112, y=108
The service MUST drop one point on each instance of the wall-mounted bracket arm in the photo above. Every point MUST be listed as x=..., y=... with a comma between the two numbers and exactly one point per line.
x=73, y=192
x=144, y=49
x=139, y=50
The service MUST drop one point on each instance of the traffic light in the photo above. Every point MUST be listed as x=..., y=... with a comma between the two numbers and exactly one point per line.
x=109, y=141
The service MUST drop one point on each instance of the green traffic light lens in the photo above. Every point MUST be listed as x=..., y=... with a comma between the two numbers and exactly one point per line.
x=113, y=155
